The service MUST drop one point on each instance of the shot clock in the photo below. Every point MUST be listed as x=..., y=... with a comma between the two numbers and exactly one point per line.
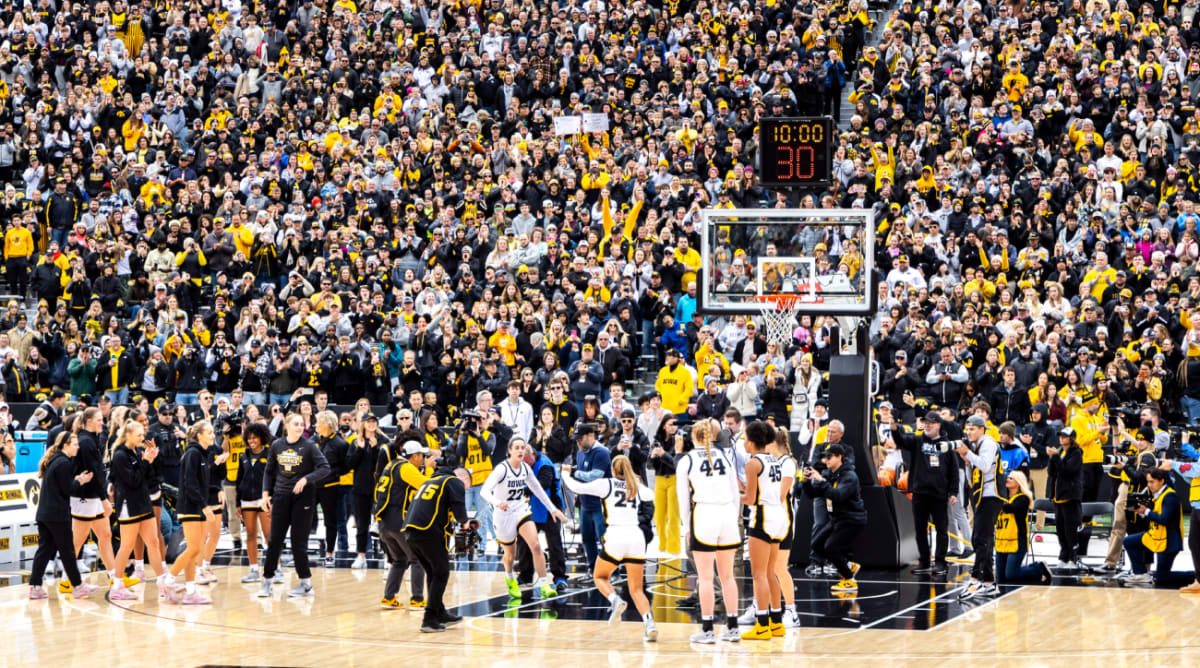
x=796, y=152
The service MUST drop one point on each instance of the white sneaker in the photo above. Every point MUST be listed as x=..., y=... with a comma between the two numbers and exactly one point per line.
x=748, y=617
x=278, y=579
x=360, y=563
x=1137, y=579
x=731, y=635
x=265, y=590
x=302, y=589
x=704, y=638
x=987, y=590
x=252, y=576
x=617, y=610
x=791, y=620
x=649, y=632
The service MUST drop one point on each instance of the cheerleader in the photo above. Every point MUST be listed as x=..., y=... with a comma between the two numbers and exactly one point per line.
x=251, y=466
x=624, y=542
x=195, y=473
x=89, y=502
x=707, y=486
x=765, y=495
x=132, y=471
x=506, y=490
x=59, y=485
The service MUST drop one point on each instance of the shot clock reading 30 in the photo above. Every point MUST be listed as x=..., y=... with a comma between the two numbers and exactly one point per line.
x=795, y=152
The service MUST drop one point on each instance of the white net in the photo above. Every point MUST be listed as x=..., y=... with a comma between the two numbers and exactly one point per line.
x=779, y=318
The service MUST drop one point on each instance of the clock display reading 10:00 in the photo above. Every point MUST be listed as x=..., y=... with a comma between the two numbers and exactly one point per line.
x=795, y=151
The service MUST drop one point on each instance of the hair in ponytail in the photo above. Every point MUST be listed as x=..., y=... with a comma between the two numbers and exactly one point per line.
x=84, y=418
x=704, y=434
x=782, y=441
x=623, y=469
x=63, y=439
x=194, y=430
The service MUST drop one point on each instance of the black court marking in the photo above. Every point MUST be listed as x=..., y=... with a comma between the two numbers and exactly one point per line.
x=892, y=600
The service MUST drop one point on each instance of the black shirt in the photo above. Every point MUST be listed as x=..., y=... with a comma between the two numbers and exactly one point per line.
x=288, y=462
x=435, y=502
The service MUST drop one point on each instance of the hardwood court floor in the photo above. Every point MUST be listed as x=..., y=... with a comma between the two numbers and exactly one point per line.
x=343, y=626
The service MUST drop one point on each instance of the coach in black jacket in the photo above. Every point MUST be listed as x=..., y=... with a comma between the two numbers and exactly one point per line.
x=331, y=491
x=932, y=479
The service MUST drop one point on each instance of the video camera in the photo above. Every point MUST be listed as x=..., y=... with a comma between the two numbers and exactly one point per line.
x=1136, y=499
x=231, y=423
x=470, y=421
x=467, y=538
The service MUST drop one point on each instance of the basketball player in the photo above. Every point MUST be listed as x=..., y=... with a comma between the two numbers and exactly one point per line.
x=131, y=473
x=295, y=466
x=89, y=501
x=764, y=495
x=54, y=529
x=623, y=541
x=707, y=486
x=251, y=466
x=194, y=474
x=506, y=489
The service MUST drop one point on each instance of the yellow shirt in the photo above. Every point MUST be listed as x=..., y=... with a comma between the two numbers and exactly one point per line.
x=676, y=387
x=1089, y=436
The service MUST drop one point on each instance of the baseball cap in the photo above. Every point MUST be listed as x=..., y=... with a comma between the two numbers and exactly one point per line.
x=583, y=430
x=834, y=449
x=628, y=413
x=1067, y=431
x=976, y=421
x=1145, y=433
x=413, y=448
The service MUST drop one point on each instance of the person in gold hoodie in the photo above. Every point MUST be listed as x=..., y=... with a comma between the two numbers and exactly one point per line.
x=18, y=247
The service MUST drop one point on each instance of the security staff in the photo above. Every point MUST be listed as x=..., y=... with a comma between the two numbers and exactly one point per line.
x=295, y=467
x=933, y=481
x=1131, y=477
x=397, y=486
x=427, y=526
x=169, y=438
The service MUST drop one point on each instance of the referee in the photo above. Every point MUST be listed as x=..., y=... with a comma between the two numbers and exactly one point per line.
x=427, y=527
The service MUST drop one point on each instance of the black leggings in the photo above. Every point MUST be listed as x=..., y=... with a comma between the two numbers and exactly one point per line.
x=1066, y=525
x=330, y=499
x=1194, y=541
x=291, y=513
x=1093, y=474
x=556, y=564
x=928, y=509
x=833, y=543
x=56, y=538
x=983, y=538
x=363, y=507
x=429, y=547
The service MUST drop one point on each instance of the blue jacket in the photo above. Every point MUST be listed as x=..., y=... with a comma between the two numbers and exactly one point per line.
x=592, y=465
x=675, y=338
x=835, y=74
x=1014, y=459
x=537, y=511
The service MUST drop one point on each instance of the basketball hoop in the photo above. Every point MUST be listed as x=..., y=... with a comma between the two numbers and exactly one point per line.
x=779, y=316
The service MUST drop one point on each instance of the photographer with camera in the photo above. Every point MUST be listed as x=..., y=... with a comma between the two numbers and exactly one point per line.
x=474, y=453
x=1162, y=541
x=394, y=492
x=837, y=486
x=229, y=428
x=933, y=481
x=189, y=374
x=1065, y=487
x=1130, y=469
x=982, y=453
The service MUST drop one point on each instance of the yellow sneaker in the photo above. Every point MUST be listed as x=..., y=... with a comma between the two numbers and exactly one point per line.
x=845, y=586
x=854, y=569
x=777, y=629
x=1193, y=588
x=129, y=582
x=64, y=587
x=392, y=603
x=416, y=604
x=758, y=632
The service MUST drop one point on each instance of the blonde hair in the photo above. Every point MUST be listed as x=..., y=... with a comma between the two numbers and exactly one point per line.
x=703, y=434
x=782, y=442
x=328, y=418
x=1022, y=482
x=194, y=430
x=623, y=469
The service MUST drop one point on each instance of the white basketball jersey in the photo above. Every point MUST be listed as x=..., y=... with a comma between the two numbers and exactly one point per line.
x=768, y=480
x=788, y=465
x=709, y=480
x=513, y=487
x=621, y=507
